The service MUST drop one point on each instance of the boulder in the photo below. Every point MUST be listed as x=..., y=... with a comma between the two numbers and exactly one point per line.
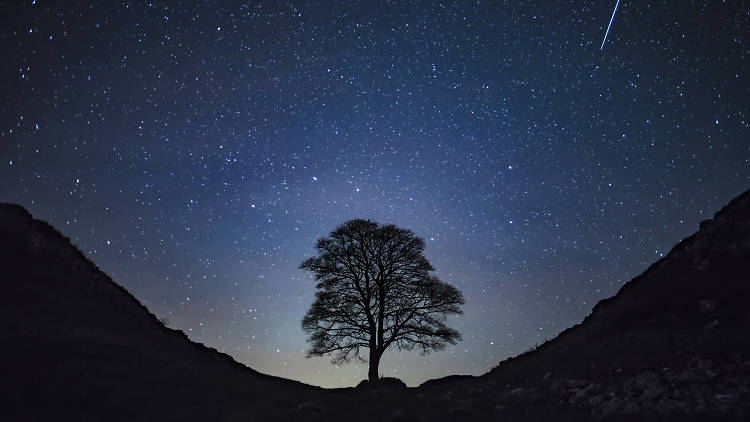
x=385, y=384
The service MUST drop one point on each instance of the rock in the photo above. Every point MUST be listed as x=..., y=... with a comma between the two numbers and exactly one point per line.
x=686, y=377
x=574, y=383
x=631, y=407
x=644, y=380
x=596, y=400
x=703, y=265
x=312, y=407
x=580, y=393
x=383, y=384
x=706, y=306
x=517, y=391
x=654, y=392
x=711, y=325
x=610, y=406
x=477, y=391
x=726, y=398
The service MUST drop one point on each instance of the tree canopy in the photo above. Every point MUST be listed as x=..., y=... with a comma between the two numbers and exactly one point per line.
x=376, y=290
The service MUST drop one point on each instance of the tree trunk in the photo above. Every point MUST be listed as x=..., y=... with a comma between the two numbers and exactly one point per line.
x=372, y=374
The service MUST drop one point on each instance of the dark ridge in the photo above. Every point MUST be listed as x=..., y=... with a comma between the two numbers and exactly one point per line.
x=737, y=209
x=678, y=329
x=16, y=218
x=83, y=345
x=657, y=289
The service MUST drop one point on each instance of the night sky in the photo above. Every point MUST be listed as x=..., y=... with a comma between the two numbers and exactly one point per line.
x=195, y=152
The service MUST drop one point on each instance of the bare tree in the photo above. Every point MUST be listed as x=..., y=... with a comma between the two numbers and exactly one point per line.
x=375, y=291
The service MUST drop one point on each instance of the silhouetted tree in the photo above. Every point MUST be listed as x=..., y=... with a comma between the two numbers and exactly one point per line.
x=375, y=291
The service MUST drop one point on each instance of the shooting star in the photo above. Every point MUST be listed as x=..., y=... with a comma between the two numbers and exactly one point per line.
x=610, y=24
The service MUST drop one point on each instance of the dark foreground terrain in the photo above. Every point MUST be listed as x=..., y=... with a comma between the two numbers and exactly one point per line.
x=673, y=344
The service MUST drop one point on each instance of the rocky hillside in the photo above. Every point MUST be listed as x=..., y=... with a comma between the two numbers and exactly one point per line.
x=674, y=340
x=77, y=346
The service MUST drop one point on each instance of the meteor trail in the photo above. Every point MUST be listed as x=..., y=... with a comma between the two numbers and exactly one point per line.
x=610, y=24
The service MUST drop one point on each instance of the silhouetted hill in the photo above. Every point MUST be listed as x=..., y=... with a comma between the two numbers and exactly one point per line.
x=77, y=346
x=675, y=339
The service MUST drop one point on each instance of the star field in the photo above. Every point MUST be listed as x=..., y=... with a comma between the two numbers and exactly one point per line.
x=196, y=150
